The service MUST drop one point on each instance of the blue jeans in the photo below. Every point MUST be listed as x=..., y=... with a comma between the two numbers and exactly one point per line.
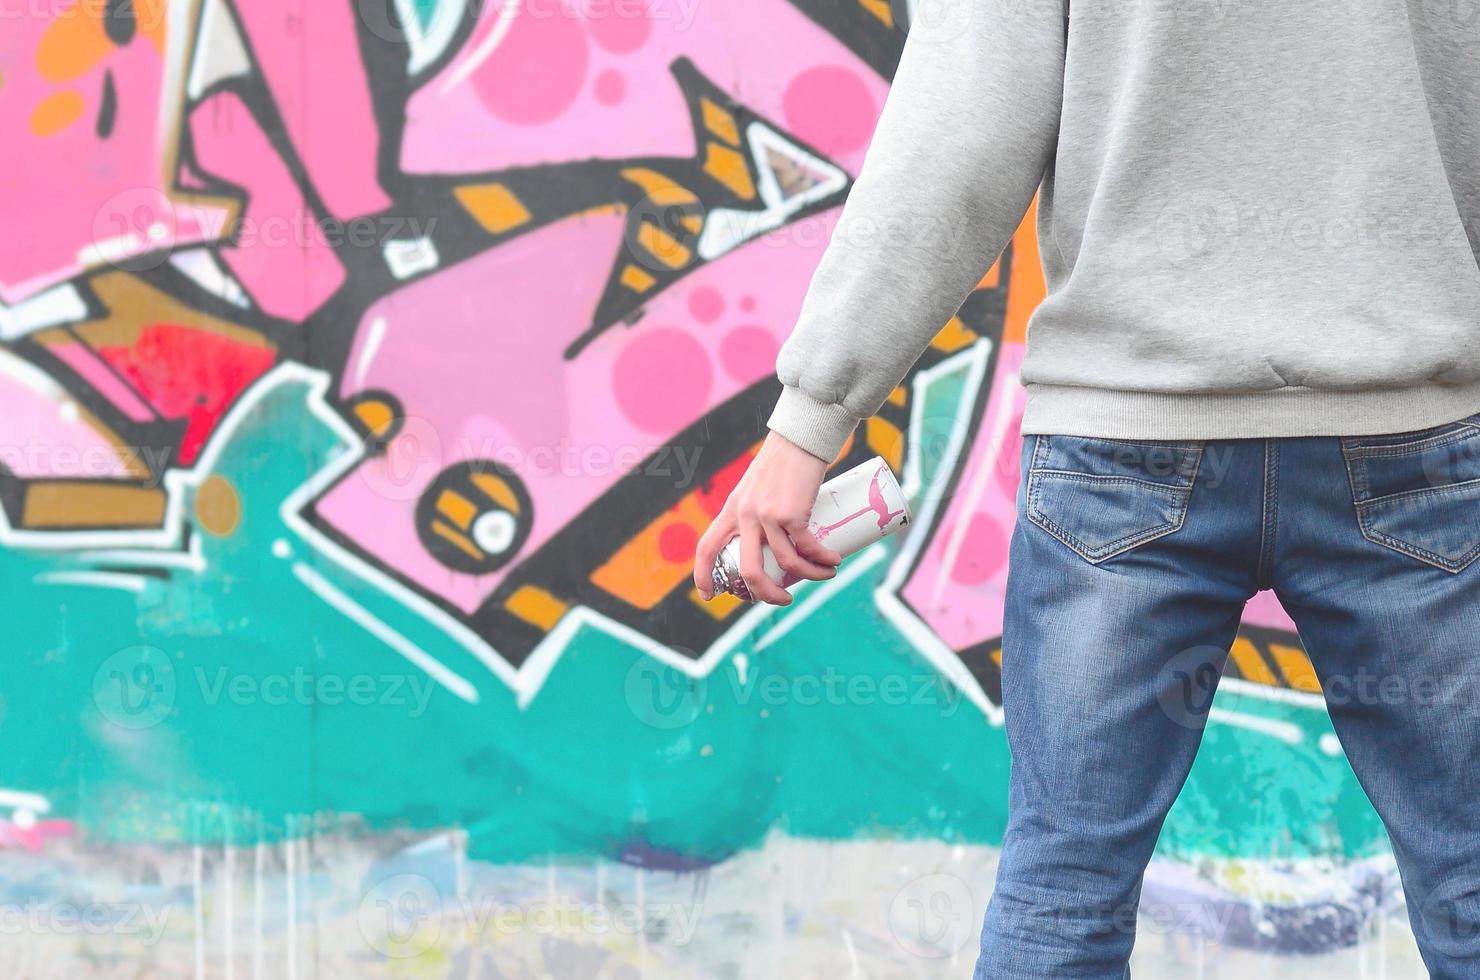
x=1130, y=566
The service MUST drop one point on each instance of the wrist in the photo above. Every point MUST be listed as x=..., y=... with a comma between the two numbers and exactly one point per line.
x=821, y=428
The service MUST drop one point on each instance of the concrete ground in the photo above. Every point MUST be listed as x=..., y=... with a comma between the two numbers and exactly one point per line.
x=380, y=906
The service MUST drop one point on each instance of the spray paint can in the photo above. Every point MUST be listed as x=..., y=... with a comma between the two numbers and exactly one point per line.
x=853, y=510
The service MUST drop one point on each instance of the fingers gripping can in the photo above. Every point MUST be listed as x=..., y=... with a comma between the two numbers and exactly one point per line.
x=853, y=510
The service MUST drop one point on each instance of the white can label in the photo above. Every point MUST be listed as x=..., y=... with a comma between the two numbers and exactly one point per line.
x=853, y=510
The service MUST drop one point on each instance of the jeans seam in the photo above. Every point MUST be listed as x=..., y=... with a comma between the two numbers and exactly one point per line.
x=1421, y=492
x=1181, y=498
x=1421, y=439
x=1362, y=501
x=1073, y=476
x=1268, y=514
x=1356, y=475
x=1452, y=566
x=1116, y=547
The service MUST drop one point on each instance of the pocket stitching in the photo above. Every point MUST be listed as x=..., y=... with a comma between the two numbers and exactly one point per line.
x=1113, y=548
x=1361, y=504
x=1421, y=492
x=1181, y=495
x=1453, y=566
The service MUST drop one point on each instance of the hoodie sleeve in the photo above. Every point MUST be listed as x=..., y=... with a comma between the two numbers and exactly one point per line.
x=966, y=133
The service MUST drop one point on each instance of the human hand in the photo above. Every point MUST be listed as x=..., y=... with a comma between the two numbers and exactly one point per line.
x=770, y=505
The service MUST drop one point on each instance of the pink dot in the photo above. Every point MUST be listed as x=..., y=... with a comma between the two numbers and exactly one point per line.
x=747, y=303
x=748, y=353
x=677, y=542
x=831, y=108
x=706, y=304
x=618, y=26
x=983, y=551
x=662, y=380
x=610, y=87
x=538, y=69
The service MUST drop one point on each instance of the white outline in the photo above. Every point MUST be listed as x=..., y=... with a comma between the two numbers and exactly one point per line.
x=486, y=47
x=429, y=41
x=362, y=617
x=19, y=799
x=217, y=27
x=58, y=305
x=374, y=336
x=973, y=359
x=161, y=547
x=726, y=229
x=820, y=592
x=101, y=580
x=1286, y=731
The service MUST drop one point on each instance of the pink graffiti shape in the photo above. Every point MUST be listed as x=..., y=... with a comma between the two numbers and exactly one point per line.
x=309, y=54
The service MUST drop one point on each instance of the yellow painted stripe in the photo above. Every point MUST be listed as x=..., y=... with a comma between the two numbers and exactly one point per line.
x=728, y=167
x=880, y=9
x=494, y=206
x=457, y=508
x=86, y=504
x=1296, y=667
x=375, y=415
x=1250, y=664
x=719, y=607
x=637, y=280
x=536, y=607
x=663, y=246
x=953, y=336
x=497, y=490
x=660, y=187
x=461, y=542
x=886, y=439
x=719, y=122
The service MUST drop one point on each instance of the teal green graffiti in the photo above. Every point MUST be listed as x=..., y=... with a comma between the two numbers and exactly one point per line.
x=838, y=730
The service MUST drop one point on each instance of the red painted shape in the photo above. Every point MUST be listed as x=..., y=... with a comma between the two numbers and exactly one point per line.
x=190, y=374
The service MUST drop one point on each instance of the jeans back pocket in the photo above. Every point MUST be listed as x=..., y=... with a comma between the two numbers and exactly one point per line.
x=1103, y=497
x=1418, y=493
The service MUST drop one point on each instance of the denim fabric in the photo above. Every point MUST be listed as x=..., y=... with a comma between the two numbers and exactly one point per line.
x=1130, y=565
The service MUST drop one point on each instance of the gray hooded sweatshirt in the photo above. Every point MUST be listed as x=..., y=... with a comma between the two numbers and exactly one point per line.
x=1257, y=217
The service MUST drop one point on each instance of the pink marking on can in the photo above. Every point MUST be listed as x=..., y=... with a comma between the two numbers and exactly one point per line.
x=876, y=505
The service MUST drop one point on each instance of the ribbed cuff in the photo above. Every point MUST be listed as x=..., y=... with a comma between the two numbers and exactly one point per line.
x=820, y=428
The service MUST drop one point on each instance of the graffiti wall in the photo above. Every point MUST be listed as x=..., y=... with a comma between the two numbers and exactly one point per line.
x=371, y=369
